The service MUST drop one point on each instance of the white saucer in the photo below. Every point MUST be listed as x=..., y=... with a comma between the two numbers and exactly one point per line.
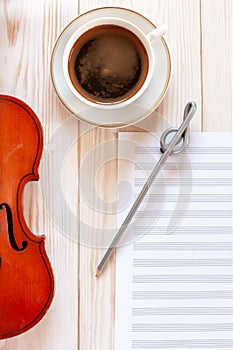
x=132, y=113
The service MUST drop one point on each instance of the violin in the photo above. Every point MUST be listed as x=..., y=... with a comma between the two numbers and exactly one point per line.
x=26, y=277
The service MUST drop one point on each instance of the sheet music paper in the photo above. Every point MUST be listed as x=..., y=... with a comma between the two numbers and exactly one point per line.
x=174, y=280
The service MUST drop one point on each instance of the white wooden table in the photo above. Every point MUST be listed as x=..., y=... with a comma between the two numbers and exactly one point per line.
x=82, y=314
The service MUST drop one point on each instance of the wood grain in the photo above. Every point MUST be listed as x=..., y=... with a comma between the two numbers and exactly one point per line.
x=28, y=33
x=216, y=23
x=97, y=296
x=182, y=18
x=96, y=308
x=82, y=314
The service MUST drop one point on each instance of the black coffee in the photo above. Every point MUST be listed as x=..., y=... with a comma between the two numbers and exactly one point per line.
x=108, y=64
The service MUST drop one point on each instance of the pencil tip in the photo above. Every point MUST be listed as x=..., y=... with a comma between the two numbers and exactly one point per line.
x=98, y=273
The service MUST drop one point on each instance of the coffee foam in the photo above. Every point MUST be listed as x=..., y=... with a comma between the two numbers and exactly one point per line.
x=107, y=63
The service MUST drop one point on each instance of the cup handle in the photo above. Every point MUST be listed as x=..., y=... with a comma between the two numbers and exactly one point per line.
x=157, y=33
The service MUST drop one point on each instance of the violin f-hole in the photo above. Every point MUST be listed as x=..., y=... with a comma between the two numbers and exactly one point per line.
x=11, y=229
x=26, y=276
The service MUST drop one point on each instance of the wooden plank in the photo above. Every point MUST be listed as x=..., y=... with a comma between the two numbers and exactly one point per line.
x=28, y=33
x=183, y=20
x=96, y=308
x=216, y=22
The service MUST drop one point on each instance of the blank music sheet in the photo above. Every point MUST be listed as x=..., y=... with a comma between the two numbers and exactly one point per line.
x=174, y=276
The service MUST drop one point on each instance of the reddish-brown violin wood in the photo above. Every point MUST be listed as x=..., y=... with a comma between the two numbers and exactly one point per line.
x=26, y=278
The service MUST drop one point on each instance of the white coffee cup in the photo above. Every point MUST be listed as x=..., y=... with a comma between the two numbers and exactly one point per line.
x=147, y=41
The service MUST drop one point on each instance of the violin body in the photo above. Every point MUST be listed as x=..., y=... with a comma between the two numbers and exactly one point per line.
x=26, y=277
